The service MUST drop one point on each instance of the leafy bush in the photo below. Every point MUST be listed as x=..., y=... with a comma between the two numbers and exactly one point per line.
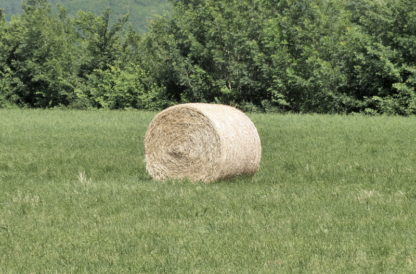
x=115, y=88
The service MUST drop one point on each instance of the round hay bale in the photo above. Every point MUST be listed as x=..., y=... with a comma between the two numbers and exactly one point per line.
x=201, y=142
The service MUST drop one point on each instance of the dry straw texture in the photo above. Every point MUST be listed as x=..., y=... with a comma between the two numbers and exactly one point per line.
x=201, y=142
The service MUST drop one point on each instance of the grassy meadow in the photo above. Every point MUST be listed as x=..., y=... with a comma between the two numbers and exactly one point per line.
x=335, y=194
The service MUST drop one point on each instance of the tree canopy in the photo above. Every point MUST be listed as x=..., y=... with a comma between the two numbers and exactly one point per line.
x=323, y=56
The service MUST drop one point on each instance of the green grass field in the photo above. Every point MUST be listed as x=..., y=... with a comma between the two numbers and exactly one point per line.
x=335, y=194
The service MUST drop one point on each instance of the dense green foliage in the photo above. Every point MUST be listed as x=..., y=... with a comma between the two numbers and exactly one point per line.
x=332, y=56
x=49, y=59
x=141, y=11
x=335, y=194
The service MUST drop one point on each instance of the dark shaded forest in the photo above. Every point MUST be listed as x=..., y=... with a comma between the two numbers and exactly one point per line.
x=320, y=56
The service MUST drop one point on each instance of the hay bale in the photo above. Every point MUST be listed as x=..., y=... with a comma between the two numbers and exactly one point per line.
x=201, y=142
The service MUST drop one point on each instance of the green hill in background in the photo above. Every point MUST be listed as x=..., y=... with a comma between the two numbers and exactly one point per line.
x=141, y=11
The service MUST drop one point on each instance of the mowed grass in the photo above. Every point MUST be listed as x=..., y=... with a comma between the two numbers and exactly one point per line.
x=335, y=194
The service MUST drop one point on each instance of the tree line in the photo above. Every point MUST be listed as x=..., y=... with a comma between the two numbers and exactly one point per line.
x=322, y=56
